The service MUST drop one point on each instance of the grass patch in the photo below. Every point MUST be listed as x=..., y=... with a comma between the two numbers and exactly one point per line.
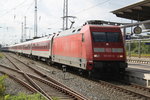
x=1, y=55
x=142, y=55
x=22, y=96
x=55, y=98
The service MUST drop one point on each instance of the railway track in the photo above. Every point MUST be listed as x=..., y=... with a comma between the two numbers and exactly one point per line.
x=131, y=90
x=18, y=76
x=42, y=83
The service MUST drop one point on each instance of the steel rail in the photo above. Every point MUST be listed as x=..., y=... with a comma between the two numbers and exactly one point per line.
x=60, y=88
x=118, y=88
x=31, y=81
x=127, y=91
x=66, y=89
x=133, y=85
x=31, y=88
x=53, y=80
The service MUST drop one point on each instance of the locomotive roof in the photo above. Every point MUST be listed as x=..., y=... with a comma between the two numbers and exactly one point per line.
x=63, y=33
x=78, y=30
x=102, y=22
x=69, y=32
x=43, y=38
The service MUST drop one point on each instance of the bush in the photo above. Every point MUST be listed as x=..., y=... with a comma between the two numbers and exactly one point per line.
x=2, y=87
x=144, y=49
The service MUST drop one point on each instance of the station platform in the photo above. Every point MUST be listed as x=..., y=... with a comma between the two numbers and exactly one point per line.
x=138, y=73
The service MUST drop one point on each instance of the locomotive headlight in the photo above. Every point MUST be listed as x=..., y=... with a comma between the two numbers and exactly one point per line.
x=90, y=61
x=121, y=56
x=96, y=55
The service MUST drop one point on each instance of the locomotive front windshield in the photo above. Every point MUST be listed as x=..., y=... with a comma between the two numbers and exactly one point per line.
x=106, y=36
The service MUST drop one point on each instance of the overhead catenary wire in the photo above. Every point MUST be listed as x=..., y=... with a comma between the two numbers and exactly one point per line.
x=9, y=11
x=31, y=5
x=18, y=7
x=101, y=3
x=27, y=10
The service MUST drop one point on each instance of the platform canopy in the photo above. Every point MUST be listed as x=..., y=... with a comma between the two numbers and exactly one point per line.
x=139, y=11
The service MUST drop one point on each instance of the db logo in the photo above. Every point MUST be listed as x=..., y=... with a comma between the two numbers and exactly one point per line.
x=108, y=50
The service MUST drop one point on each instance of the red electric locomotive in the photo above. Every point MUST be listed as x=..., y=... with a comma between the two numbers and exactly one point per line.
x=92, y=48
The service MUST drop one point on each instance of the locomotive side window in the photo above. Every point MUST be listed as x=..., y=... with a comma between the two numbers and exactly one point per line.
x=106, y=36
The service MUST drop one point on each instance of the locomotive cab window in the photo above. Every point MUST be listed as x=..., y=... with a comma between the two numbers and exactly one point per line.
x=106, y=36
x=99, y=36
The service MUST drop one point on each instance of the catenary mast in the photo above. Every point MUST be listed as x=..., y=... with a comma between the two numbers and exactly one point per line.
x=35, y=20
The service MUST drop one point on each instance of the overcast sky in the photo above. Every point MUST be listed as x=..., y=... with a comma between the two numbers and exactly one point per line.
x=12, y=14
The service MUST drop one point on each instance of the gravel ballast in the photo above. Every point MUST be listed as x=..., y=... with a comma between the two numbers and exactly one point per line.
x=12, y=87
x=88, y=88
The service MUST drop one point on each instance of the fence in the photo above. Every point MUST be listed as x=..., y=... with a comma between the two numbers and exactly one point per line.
x=138, y=50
